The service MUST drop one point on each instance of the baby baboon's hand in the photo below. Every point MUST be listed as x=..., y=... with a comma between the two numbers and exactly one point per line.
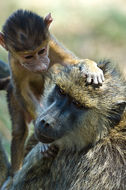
x=92, y=72
x=49, y=151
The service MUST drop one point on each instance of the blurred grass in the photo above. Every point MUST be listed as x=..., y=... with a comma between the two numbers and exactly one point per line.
x=91, y=29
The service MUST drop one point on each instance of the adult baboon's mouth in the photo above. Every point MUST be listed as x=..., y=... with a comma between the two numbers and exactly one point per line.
x=44, y=139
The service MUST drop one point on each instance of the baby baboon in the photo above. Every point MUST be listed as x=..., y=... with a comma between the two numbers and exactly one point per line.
x=88, y=125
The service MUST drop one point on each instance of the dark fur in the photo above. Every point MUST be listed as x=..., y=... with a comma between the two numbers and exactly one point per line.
x=18, y=30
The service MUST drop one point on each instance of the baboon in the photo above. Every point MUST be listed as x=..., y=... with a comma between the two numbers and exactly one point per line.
x=27, y=39
x=88, y=126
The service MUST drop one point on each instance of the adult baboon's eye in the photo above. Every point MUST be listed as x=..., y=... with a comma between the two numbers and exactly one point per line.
x=62, y=91
x=77, y=104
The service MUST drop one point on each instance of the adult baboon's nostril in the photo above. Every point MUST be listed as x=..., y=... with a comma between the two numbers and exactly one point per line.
x=47, y=125
x=43, y=121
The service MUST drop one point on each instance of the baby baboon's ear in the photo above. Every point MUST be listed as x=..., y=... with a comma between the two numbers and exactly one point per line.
x=48, y=20
x=116, y=113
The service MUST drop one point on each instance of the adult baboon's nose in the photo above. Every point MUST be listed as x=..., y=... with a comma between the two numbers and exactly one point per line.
x=44, y=124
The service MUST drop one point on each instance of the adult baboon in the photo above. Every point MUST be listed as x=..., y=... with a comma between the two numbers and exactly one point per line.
x=88, y=125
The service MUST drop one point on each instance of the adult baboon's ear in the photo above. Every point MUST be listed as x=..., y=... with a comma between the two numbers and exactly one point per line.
x=48, y=19
x=103, y=64
x=116, y=113
x=2, y=42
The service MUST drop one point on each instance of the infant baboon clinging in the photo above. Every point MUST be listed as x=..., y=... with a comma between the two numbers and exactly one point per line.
x=89, y=127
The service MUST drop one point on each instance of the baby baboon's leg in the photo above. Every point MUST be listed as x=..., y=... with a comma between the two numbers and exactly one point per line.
x=19, y=132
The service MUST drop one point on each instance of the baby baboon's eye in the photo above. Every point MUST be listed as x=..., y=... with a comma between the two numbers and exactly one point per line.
x=41, y=51
x=29, y=57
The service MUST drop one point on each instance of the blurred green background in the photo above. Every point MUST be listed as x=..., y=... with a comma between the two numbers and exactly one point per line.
x=94, y=29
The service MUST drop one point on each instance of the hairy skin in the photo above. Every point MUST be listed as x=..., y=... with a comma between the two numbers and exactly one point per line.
x=91, y=139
